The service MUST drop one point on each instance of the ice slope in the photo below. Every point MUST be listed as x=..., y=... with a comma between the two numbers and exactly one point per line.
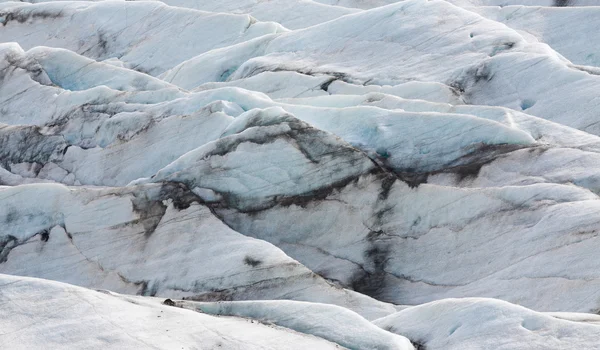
x=309, y=168
x=484, y=61
x=105, y=142
x=476, y=323
x=362, y=4
x=314, y=174
x=74, y=317
x=144, y=36
x=268, y=163
x=571, y=31
x=554, y=3
x=333, y=323
x=152, y=240
x=39, y=314
x=470, y=323
x=291, y=14
x=419, y=244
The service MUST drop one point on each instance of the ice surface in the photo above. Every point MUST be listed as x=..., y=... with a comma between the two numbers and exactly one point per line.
x=166, y=231
x=300, y=174
x=476, y=323
x=146, y=36
x=39, y=314
x=329, y=322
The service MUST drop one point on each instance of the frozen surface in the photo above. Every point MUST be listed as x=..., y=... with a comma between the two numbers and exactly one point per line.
x=329, y=322
x=145, y=36
x=476, y=323
x=307, y=174
x=39, y=314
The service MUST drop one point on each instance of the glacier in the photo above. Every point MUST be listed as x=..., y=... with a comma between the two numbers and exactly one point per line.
x=361, y=174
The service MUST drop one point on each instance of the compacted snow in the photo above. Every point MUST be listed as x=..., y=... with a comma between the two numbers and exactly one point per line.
x=362, y=174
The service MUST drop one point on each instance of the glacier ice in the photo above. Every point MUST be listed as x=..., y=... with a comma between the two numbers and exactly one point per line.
x=374, y=174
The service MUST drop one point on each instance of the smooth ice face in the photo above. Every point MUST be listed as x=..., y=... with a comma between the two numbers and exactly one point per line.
x=291, y=14
x=59, y=316
x=147, y=36
x=491, y=324
x=326, y=321
x=372, y=174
